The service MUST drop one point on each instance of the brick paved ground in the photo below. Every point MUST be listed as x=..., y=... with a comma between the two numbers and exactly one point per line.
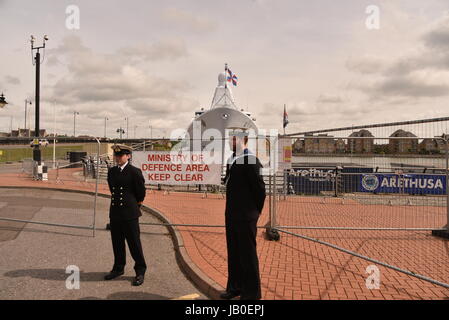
x=294, y=268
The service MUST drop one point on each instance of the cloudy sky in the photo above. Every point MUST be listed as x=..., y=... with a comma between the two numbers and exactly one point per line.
x=157, y=62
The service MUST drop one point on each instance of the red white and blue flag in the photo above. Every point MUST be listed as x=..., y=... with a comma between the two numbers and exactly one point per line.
x=285, y=120
x=232, y=77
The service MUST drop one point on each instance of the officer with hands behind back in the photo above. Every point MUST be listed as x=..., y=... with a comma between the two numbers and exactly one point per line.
x=127, y=187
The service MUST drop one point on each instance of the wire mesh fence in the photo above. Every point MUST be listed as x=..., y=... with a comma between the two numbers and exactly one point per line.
x=61, y=175
x=374, y=194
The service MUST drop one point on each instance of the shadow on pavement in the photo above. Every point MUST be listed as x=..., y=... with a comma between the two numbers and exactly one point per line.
x=129, y=295
x=59, y=274
x=30, y=229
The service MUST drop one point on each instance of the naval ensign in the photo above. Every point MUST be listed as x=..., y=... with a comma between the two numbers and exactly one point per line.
x=127, y=186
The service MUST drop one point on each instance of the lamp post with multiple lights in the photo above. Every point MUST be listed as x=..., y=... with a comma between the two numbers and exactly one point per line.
x=120, y=131
x=3, y=102
x=37, y=62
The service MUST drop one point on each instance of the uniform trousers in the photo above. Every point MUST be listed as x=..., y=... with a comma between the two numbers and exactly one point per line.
x=243, y=264
x=128, y=230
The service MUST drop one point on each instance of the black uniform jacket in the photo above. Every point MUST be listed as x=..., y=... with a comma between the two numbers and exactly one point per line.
x=245, y=188
x=127, y=189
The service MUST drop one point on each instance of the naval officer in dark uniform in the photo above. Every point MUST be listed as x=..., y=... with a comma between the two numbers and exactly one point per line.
x=127, y=186
x=245, y=197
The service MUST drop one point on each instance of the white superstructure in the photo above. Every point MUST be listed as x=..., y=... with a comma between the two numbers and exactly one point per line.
x=223, y=113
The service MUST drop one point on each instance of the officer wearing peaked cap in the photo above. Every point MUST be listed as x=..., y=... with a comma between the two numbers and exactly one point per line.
x=127, y=187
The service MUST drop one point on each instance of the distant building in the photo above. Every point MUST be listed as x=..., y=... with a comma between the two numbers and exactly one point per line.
x=407, y=145
x=298, y=146
x=21, y=133
x=52, y=135
x=27, y=133
x=432, y=146
x=315, y=144
x=340, y=146
x=361, y=145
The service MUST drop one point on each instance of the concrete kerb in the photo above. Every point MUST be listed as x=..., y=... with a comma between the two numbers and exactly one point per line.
x=198, y=277
x=209, y=287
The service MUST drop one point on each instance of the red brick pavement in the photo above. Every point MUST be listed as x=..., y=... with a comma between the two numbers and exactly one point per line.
x=294, y=268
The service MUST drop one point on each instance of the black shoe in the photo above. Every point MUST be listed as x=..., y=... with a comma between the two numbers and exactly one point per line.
x=113, y=274
x=229, y=295
x=138, y=280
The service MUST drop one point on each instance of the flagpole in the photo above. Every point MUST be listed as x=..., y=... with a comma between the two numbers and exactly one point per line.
x=226, y=75
x=283, y=117
x=226, y=80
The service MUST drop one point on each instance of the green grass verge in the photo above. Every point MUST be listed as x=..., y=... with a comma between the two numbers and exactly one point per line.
x=17, y=154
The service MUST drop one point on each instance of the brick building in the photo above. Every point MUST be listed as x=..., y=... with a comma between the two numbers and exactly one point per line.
x=361, y=145
x=407, y=145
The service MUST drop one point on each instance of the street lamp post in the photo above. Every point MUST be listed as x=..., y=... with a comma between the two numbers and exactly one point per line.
x=120, y=131
x=37, y=63
x=27, y=102
x=105, y=124
x=127, y=127
x=74, y=122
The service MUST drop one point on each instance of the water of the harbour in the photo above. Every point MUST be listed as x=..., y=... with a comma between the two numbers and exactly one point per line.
x=385, y=162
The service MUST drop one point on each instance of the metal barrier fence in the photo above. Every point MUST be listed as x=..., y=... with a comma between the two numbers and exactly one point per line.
x=27, y=166
x=60, y=176
x=379, y=207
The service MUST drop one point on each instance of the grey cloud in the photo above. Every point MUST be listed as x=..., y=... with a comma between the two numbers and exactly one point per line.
x=404, y=86
x=438, y=37
x=433, y=55
x=12, y=80
x=427, y=59
x=394, y=78
x=113, y=86
x=107, y=85
x=98, y=77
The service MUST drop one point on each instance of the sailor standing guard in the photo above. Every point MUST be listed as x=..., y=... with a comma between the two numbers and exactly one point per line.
x=127, y=187
x=245, y=197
